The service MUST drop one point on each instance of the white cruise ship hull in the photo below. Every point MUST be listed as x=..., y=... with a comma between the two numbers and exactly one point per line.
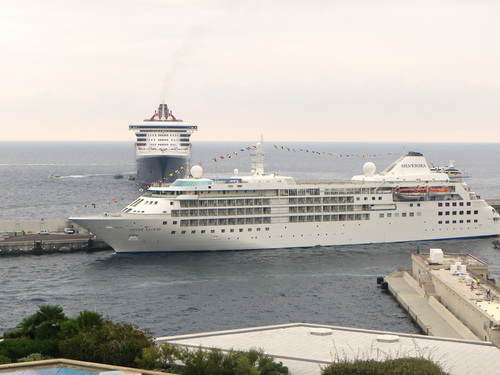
x=149, y=234
x=406, y=202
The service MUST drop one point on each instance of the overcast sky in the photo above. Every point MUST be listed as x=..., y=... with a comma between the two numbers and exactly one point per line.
x=425, y=71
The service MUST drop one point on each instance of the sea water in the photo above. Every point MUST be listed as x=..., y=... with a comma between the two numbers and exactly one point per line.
x=196, y=292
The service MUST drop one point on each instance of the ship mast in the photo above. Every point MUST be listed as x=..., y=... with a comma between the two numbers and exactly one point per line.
x=258, y=158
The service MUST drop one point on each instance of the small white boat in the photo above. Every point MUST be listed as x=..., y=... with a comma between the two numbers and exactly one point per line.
x=452, y=171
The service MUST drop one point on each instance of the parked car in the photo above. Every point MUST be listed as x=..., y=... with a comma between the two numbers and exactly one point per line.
x=44, y=231
x=69, y=230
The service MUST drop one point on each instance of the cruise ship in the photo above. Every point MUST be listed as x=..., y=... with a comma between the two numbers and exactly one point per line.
x=406, y=202
x=162, y=148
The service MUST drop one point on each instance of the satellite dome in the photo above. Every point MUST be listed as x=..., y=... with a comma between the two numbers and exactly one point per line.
x=236, y=171
x=196, y=171
x=369, y=169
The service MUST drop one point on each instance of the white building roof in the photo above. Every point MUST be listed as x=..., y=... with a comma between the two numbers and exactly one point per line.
x=305, y=348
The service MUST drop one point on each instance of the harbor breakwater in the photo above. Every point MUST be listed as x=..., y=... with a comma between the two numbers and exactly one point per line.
x=22, y=237
x=50, y=246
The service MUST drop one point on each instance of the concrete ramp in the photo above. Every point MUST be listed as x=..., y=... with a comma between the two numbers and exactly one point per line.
x=432, y=317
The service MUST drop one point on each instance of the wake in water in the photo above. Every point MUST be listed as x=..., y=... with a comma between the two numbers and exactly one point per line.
x=88, y=175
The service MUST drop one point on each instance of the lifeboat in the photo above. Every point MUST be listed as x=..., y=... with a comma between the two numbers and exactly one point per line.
x=439, y=190
x=411, y=193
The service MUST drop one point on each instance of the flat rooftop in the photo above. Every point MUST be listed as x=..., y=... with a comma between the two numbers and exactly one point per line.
x=477, y=295
x=306, y=348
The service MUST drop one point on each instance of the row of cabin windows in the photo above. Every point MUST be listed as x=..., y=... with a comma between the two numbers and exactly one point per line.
x=403, y=214
x=226, y=221
x=212, y=231
x=455, y=221
x=262, y=210
x=366, y=198
x=325, y=218
x=453, y=204
x=440, y=213
x=328, y=191
x=303, y=209
x=263, y=202
x=225, y=202
x=222, y=212
x=268, y=220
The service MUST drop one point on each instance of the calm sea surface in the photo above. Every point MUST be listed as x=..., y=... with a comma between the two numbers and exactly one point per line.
x=185, y=293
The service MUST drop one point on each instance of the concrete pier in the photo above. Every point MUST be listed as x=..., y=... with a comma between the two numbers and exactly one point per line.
x=449, y=296
x=428, y=313
x=49, y=244
x=21, y=237
x=34, y=226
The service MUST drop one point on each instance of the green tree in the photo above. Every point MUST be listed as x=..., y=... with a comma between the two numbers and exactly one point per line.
x=114, y=344
x=89, y=319
x=44, y=324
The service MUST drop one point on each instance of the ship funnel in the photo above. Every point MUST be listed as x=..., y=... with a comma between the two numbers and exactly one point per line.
x=163, y=112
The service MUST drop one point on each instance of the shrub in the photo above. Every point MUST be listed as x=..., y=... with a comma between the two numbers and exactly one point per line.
x=208, y=362
x=401, y=366
x=14, y=349
x=34, y=357
x=4, y=360
x=114, y=344
x=14, y=334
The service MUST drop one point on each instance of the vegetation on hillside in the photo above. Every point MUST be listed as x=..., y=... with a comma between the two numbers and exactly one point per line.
x=49, y=333
x=167, y=357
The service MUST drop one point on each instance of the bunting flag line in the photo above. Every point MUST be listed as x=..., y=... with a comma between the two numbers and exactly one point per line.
x=292, y=149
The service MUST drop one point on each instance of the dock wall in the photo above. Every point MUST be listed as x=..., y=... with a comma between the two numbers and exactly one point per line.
x=34, y=226
x=19, y=237
x=465, y=310
x=427, y=312
x=41, y=247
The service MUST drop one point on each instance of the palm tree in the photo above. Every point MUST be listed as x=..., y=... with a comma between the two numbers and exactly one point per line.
x=45, y=321
x=50, y=315
x=88, y=319
x=28, y=326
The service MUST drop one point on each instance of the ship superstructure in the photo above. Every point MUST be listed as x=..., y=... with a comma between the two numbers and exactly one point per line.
x=162, y=148
x=405, y=202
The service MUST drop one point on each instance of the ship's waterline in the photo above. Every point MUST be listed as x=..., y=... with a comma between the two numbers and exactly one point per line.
x=406, y=202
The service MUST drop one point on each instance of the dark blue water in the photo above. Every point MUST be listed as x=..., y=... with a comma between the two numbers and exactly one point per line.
x=185, y=293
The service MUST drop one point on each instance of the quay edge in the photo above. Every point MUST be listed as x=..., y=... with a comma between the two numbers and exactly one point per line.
x=63, y=245
x=447, y=296
x=20, y=237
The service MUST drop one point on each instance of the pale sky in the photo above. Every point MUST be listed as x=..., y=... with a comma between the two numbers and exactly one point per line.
x=291, y=70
